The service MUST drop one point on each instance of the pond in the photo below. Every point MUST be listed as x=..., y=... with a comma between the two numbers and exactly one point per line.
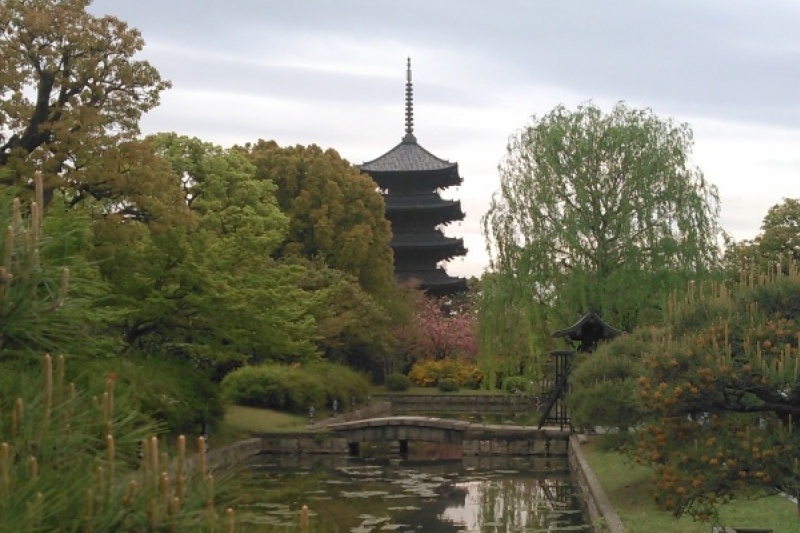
x=497, y=494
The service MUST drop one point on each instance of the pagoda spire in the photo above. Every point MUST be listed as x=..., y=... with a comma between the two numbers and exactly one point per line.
x=409, y=137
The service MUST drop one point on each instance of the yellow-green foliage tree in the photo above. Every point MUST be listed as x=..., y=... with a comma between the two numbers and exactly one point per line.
x=721, y=384
x=71, y=95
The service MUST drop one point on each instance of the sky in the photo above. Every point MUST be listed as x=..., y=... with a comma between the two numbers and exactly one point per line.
x=332, y=73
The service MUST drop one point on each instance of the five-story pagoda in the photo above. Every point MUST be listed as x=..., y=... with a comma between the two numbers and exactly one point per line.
x=410, y=178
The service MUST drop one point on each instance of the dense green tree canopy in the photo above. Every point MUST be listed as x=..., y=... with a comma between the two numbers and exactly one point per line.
x=600, y=211
x=335, y=213
x=209, y=290
x=780, y=235
x=775, y=248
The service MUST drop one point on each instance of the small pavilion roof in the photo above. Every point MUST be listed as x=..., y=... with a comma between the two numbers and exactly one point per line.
x=589, y=330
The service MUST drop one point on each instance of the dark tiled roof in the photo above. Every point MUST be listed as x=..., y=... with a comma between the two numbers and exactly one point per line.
x=589, y=324
x=407, y=156
x=590, y=329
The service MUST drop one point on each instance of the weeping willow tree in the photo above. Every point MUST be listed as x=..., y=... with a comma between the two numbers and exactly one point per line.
x=601, y=211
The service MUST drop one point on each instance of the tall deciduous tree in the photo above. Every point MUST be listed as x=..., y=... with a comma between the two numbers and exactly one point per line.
x=777, y=244
x=600, y=210
x=71, y=96
x=780, y=237
x=335, y=213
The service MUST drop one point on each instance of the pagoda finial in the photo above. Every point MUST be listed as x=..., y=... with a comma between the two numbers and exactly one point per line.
x=409, y=106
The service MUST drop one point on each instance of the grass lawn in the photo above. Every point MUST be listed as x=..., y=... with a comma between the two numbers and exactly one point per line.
x=241, y=422
x=628, y=487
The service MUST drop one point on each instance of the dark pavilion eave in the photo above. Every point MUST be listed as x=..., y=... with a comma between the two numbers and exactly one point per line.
x=589, y=324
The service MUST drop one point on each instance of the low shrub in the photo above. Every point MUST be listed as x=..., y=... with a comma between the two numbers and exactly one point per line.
x=603, y=388
x=447, y=385
x=173, y=392
x=397, y=382
x=341, y=383
x=514, y=384
x=294, y=388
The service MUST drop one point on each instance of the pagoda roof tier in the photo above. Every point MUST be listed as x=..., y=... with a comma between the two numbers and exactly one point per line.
x=422, y=203
x=435, y=281
x=408, y=156
x=418, y=241
x=409, y=166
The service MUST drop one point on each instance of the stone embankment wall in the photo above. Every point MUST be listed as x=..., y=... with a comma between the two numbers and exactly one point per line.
x=476, y=404
x=303, y=443
x=540, y=443
x=601, y=514
x=234, y=453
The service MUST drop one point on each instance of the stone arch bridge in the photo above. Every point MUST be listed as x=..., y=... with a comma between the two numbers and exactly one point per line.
x=474, y=438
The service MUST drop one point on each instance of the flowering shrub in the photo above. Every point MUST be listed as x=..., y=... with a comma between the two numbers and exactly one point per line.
x=443, y=335
x=429, y=373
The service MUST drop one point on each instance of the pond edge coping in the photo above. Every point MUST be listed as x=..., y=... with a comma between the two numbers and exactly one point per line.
x=602, y=516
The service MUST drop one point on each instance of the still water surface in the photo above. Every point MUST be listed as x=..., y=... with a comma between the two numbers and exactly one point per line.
x=472, y=495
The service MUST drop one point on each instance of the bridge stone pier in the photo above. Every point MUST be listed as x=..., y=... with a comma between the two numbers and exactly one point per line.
x=474, y=439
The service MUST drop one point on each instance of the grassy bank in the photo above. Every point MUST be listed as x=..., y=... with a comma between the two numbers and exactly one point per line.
x=241, y=422
x=628, y=488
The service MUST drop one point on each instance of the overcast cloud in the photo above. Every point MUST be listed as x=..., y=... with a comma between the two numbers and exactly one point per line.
x=332, y=73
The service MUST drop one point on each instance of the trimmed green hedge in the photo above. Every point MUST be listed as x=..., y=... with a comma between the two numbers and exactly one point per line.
x=398, y=382
x=295, y=388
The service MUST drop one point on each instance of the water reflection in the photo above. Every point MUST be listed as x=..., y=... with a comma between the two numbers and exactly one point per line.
x=516, y=504
x=476, y=495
